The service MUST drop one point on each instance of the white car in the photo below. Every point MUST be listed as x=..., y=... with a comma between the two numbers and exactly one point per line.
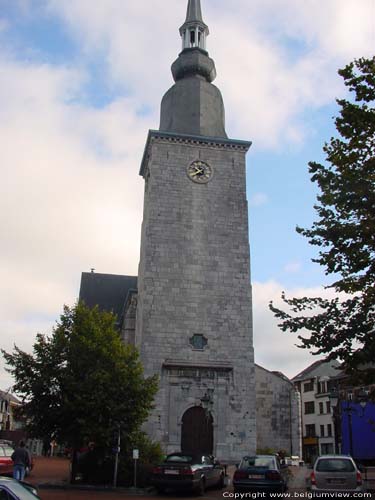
x=335, y=474
x=10, y=489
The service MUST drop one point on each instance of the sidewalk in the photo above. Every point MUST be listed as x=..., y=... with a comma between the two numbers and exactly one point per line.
x=51, y=475
x=369, y=478
x=53, y=471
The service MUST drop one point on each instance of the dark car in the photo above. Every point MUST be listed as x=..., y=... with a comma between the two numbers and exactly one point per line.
x=260, y=473
x=333, y=474
x=186, y=472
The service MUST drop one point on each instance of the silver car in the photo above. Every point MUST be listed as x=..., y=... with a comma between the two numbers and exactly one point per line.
x=335, y=473
x=10, y=489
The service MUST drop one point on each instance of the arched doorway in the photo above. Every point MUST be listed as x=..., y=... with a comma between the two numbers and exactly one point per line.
x=197, y=434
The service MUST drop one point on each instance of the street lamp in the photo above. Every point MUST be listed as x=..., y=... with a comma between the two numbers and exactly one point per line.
x=207, y=402
x=334, y=400
x=362, y=399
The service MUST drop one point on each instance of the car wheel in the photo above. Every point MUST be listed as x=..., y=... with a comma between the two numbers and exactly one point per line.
x=201, y=487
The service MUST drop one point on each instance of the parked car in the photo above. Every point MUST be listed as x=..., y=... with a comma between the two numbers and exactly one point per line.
x=10, y=489
x=334, y=474
x=6, y=463
x=186, y=472
x=260, y=473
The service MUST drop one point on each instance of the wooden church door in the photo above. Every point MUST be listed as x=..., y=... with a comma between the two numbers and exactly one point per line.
x=197, y=433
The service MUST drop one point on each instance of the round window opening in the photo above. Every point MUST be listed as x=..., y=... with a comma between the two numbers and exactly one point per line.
x=198, y=342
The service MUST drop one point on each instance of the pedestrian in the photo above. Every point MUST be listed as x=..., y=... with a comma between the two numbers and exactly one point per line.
x=21, y=460
x=46, y=447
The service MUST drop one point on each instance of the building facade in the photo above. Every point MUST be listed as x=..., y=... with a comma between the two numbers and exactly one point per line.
x=8, y=404
x=317, y=422
x=278, y=413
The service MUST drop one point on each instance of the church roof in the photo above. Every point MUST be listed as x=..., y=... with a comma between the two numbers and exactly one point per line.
x=107, y=291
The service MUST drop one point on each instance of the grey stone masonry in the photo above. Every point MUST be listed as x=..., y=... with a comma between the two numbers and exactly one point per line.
x=278, y=413
x=194, y=280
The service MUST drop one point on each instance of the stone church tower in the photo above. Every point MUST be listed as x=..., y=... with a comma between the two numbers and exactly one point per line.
x=194, y=312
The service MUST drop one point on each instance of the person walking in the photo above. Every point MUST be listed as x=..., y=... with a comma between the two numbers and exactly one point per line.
x=21, y=460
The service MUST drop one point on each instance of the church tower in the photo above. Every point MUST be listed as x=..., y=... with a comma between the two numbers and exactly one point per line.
x=194, y=312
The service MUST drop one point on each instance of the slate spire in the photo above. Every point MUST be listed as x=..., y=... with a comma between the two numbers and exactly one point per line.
x=194, y=31
x=194, y=11
x=193, y=105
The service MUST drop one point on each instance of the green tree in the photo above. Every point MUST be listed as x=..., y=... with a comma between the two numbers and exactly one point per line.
x=82, y=383
x=344, y=327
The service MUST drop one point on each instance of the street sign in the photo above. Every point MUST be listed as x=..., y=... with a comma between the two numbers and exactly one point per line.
x=135, y=454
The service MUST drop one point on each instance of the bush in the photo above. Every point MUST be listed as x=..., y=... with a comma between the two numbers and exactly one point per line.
x=150, y=454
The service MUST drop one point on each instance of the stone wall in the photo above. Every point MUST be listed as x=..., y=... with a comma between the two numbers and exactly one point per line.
x=194, y=280
x=278, y=412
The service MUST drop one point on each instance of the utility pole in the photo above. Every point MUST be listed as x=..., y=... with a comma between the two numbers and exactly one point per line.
x=117, y=457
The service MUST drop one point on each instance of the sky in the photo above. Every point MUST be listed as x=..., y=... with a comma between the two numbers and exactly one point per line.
x=80, y=86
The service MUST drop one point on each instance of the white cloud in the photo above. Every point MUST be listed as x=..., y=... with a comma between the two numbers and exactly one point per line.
x=71, y=197
x=265, y=80
x=293, y=266
x=274, y=349
x=64, y=205
x=258, y=199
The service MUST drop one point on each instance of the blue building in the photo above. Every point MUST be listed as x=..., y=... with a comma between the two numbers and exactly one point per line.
x=358, y=430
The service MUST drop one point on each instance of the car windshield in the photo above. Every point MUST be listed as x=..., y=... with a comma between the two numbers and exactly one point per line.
x=8, y=451
x=264, y=462
x=180, y=458
x=335, y=465
x=20, y=491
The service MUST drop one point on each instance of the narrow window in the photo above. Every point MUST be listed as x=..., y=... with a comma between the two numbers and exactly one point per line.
x=308, y=387
x=310, y=430
x=192, y=38
x=309, y=407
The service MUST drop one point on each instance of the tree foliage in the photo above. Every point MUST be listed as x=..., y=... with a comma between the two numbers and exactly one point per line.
x=81, y=383
x=344, y=327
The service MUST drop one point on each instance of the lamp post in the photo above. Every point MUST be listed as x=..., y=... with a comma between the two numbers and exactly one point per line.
x=334, y=398
x=207, y=403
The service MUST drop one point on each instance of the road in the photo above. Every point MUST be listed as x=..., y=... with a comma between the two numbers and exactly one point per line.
x=55, y=473
x=121, y=495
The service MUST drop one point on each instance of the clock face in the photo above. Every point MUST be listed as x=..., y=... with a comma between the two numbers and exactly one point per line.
x=200, y=171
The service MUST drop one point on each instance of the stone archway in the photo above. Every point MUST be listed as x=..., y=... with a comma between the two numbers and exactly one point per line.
x=197, y=434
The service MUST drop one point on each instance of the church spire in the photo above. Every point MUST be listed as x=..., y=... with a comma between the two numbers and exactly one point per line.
x=193, y=105
x=194, y=11
x=194, y=31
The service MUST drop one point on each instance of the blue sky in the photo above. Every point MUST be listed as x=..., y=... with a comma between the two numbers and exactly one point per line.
x=80, y=85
